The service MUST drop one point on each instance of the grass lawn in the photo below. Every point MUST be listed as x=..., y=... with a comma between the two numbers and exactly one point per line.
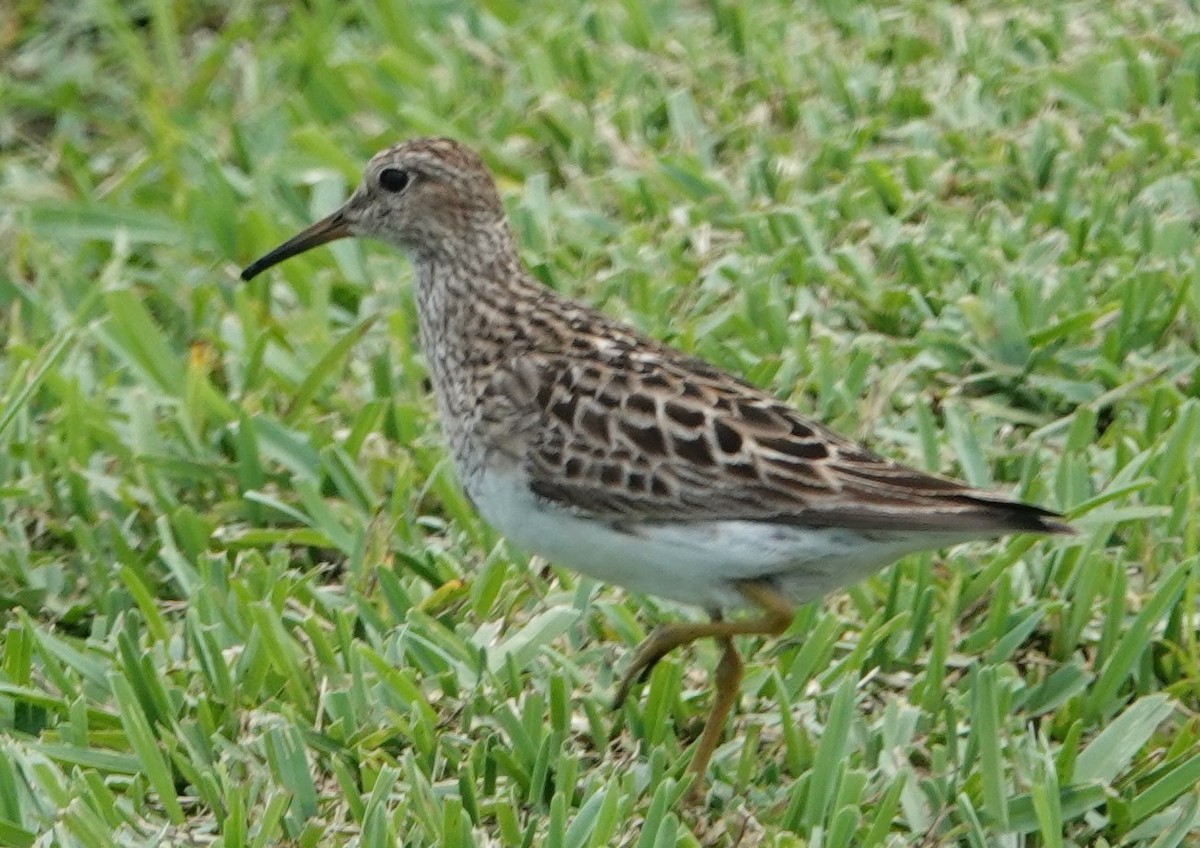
x=242, y=601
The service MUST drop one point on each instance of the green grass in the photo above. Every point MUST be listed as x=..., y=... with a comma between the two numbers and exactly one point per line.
x=242, y=601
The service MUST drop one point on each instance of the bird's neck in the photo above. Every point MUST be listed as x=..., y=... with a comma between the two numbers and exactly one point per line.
x=469, y=317
x=465, y=295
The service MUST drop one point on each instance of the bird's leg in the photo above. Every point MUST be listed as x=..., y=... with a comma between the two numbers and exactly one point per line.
x=728, y=678
x=777, y=615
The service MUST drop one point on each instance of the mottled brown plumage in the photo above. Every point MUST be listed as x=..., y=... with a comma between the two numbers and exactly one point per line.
x=606, y=450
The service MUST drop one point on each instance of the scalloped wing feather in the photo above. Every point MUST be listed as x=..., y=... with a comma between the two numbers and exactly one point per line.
x=626, y=429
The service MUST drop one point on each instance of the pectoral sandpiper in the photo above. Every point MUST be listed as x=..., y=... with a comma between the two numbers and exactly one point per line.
x=599, y=448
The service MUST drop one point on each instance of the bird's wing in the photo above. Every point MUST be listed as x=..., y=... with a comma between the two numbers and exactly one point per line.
x=630, y=430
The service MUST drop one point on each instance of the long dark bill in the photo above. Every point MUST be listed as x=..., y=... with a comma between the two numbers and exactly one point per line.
x=327, y=229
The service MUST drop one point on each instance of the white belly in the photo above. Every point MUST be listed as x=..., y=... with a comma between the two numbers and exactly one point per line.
x=694, y=562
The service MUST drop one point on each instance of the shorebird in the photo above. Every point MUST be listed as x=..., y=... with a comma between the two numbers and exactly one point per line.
x=599, y=448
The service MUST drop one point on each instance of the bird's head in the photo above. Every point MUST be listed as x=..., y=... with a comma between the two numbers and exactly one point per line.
x=423, y=195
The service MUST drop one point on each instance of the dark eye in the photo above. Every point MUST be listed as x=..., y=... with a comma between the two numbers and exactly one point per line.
x=393, y=179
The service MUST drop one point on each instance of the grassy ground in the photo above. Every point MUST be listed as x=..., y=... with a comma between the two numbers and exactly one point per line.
x=241, y=600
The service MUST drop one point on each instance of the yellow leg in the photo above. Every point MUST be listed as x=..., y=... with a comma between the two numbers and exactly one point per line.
x=728, y=678
x=777, y=615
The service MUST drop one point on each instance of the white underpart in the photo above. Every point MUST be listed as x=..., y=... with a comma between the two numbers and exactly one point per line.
x=695, y=563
